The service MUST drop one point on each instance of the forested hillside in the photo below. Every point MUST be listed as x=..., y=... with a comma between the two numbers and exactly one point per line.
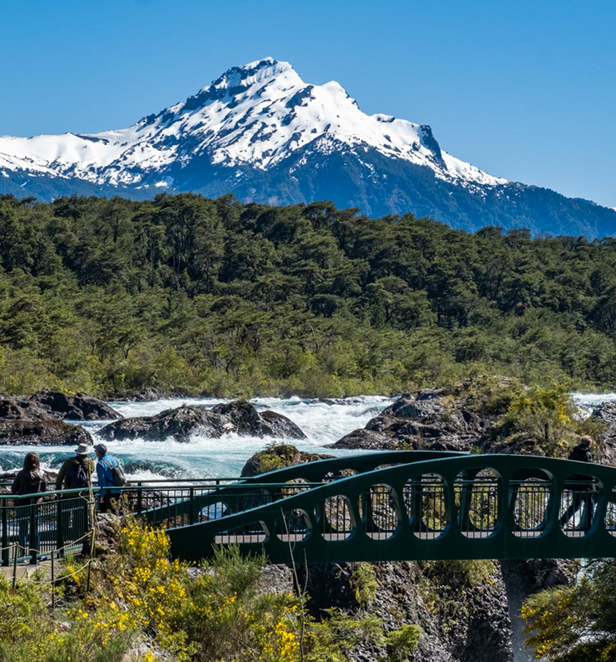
x=186, y=293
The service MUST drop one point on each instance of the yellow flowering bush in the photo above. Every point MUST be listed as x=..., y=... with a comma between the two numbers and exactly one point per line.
x=30, y=633
x=578, y=623
x=548, y=417
x=139, y=604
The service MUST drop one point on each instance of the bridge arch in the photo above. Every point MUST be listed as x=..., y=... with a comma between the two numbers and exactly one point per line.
x=428, y=507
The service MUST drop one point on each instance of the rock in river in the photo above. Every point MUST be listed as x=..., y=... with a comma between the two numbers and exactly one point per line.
x=428, y=419
x=236, y=417
x=41, y=433
x=78, y=407
x=251, y=423
x=278, y=457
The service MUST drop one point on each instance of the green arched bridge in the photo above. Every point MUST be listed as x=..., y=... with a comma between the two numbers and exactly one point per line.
x=396, y=506
x=388, y=506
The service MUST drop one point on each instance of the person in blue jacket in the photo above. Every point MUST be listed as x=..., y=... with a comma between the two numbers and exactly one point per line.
x=104, y=472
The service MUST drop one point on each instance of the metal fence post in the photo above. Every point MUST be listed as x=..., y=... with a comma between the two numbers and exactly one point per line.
x=192, y=506
x=139, y=499
x=59, y=525
x=33, y=533
x=5, y=535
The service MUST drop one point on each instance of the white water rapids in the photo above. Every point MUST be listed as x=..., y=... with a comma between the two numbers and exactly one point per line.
x=204, y=457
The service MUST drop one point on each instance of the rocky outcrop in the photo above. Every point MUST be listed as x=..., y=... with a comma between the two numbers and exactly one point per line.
x=41, y=433
x=55, y=405
x=236, y=417
x=249, y=422
x=78, y=407
x=462, y=618
x=29, y=422
x=430, y=419
x=278, y=456
x=178, y=424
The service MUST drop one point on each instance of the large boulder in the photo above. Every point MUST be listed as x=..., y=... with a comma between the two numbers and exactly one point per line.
x=278, y=456
x=48, y=432
x=251, y=423
x=235, y=417
x=178, y=424
x=78, y=407
x=429, y=419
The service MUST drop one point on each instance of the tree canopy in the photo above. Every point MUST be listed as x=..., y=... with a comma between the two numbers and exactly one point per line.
x=182, y=292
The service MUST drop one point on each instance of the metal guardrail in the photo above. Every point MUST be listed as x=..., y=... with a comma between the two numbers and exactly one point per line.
x=30, y=529
x=61, y=520
x=402, y=505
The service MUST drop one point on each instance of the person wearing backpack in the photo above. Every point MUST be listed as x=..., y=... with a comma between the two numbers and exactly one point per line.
x=110, y=474
x=582, y=487
x=28, y=485
x=75, y=473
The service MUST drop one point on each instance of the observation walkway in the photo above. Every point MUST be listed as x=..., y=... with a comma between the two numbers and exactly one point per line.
x=387, y=506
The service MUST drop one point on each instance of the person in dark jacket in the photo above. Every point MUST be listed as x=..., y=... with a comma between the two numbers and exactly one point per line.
x=104, y=472
x=29, y=483
x=76, y=472
x=583, y=488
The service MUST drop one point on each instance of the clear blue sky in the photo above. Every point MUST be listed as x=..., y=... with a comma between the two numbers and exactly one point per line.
x=524, y=90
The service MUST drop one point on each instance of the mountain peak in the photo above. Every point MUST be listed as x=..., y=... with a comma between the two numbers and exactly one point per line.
x=256, y=115
x=260, y=131
x=253, y=73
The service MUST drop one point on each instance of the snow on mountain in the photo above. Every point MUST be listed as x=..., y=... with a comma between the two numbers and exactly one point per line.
x=258, y=115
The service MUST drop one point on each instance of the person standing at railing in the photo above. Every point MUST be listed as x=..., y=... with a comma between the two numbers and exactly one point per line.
x=29, y=481
x=75, y=473
x=583, y=488
x=110, y=475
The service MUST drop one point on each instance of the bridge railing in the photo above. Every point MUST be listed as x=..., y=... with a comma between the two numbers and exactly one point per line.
x=381, y=506
x=57, y=522
x=32, y=527
x=484, y=506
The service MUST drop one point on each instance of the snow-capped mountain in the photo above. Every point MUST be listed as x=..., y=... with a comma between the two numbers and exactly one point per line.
x=262, y=133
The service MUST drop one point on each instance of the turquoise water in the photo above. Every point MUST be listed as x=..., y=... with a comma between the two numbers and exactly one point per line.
x=203, y=457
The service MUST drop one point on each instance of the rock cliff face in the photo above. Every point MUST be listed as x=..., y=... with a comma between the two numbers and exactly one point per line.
x=463, y=618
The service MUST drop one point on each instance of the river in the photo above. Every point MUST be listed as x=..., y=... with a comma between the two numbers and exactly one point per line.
x=204, y=457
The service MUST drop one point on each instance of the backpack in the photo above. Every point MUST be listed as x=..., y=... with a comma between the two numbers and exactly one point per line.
x=77, y=476
x=117, y=475
x=581, y=454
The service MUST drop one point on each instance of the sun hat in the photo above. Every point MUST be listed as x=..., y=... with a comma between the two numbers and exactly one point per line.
x=82, y=449
x=100, y=448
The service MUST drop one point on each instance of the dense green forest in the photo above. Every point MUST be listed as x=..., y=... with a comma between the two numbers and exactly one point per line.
x=214, y=296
